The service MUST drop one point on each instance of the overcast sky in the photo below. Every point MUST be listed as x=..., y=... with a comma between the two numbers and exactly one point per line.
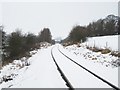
x=60, y=17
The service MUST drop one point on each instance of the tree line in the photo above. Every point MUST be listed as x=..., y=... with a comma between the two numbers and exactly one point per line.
x=102, y=27
x=17, y=45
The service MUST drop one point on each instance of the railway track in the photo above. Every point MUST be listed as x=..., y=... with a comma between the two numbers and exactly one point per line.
x=62, y=74
x=68, y=83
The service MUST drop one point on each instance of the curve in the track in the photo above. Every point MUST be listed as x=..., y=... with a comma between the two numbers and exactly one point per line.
x=105, y=81
x=61, y=72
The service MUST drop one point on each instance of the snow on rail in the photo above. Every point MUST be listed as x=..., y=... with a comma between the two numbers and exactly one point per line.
x=78, y=77
x=110, y=84
x=108, y=73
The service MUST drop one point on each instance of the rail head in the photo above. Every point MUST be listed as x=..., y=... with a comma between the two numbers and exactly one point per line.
x=61, y=72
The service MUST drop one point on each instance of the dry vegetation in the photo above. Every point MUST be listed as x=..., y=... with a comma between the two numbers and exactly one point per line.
x=104, y=51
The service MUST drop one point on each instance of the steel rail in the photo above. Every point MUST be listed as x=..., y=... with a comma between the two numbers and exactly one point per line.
x=62, y=74
x=110, y=84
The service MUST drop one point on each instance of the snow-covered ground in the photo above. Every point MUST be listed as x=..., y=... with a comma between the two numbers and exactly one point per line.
x=78, y=77
x=106, y=60
x=40, y=71
x=102, y=42
x=102, y=64
x=108, y=73
x=110, y=42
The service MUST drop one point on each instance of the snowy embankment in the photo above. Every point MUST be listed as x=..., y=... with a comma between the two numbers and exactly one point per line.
x=108, y=73
x=104, y=65
x=77, y=76
x=38, y=71
x=110, y=42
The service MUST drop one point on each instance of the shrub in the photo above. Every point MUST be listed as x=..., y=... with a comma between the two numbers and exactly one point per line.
x=115, y=53
x=105, y=51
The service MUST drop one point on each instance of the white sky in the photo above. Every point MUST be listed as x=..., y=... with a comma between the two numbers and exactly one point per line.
x=60, y=17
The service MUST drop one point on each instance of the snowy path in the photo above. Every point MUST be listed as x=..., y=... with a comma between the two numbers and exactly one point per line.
x=78, y=77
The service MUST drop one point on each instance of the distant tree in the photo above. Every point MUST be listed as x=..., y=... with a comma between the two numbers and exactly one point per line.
x=92, y=29
x=78, y=34
x=45, y=35
x=2, y=42
x=118, y=28
x=99, y=28
x=110, y=28
x=3, y=35
x=53, y=41
x=31, y=40
x=15, y=44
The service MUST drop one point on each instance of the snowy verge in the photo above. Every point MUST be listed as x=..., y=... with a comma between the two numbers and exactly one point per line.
x=84, y=57
x=107, y=60
x=40, y=73
x=9, y=72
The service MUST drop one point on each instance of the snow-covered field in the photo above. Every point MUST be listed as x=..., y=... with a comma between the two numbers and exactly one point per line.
x=110, y=42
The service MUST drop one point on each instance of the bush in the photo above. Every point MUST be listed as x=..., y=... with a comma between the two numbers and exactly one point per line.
x=105, y=51
x=115, y=53
x=19, y=44
x=94, y=49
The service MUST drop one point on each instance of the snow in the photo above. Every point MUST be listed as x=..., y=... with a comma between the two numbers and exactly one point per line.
x=110, y=42
x=108, y=73
x=98, y=63
x=96, y=57
x=78, y=77
x=41, y=73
